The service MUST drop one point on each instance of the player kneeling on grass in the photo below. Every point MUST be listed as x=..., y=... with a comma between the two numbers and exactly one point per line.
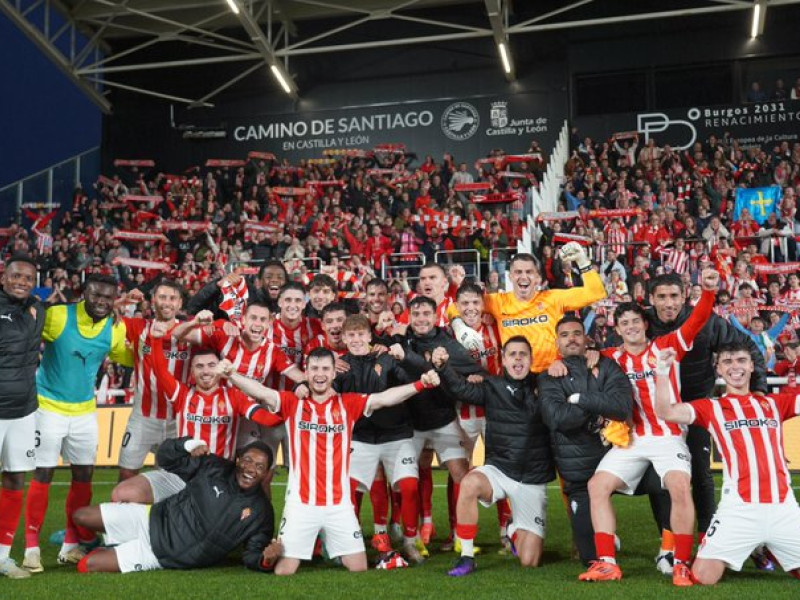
x=222, y=507
x=319, y=431
x=519, y=462
x=757, y=505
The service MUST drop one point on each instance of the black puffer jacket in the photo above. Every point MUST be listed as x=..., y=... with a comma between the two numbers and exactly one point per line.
x=211, y=516
x=517, y=441
x=20, y=341
x=697, y=367
x=429, y=409
x=368, y=375
x=605, y=393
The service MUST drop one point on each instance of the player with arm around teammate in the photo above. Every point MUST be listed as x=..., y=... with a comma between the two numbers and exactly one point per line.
x=519, y=462
x=320, y=426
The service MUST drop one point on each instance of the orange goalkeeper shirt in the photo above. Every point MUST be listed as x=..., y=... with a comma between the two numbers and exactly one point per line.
x=536, y=319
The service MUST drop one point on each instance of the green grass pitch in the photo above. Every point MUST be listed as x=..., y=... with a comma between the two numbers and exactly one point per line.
x=497, y=576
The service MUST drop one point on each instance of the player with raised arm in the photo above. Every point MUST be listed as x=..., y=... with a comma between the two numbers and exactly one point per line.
x=653, y=441
x=319, y=434
x=532, y=313
x=208, y=410
x=252, y=352
x=757, y=505
x=152, y=420
x=78, y=338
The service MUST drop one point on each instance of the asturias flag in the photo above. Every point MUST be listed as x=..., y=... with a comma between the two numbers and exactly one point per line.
x=761, y=202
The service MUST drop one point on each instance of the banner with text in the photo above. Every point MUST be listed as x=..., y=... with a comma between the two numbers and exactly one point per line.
x=468, y=128
x=759, y=124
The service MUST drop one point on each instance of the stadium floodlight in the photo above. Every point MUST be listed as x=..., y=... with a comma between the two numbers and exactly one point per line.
x=234, y=6
x=759, y=18
x=281, y=79
x=504, y=57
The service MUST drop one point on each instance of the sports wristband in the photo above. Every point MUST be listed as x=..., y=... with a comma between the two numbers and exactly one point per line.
x=267, y=564
x=585, y=269
x=420, y=385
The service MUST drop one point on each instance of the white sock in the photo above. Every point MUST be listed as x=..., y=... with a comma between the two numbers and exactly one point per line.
x=503, y=532
x=468, y=548
x=410, y=541
x=5, y=551
x=29, y=551
x=608, y=559
x=379, y=529
x=65, y=547
x=427, y=519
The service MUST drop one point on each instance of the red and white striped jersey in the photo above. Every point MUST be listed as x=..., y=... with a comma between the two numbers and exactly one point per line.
x=617, y=240
x=214, y=418
x=292, y=342
x=256, y=364
x=641, y=370
x=319, y=436
x=677, y=261
x=748, y=432
x=148, y=399
x=321, y=341
x=490, y=357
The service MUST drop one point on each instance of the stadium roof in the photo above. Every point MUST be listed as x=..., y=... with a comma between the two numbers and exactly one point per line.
x=94, y=40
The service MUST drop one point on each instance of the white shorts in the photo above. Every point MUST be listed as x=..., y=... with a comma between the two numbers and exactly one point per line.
x=128, y=526
x=738, y=527
x=447, y=442
x=398, y=458
x=302, y=523
x=528, y=500
x=473, y=429
x=73, y=437
x=18, y=444
x=666, y=453
x=142, y=436
x=272, y=436
x=163, y=484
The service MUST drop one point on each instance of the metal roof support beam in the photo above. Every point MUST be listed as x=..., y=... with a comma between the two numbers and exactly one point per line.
x=138, y=90
x=169, y=64
x=262, y=44
x=230, y=82
x=497, y=11
x=51, y=51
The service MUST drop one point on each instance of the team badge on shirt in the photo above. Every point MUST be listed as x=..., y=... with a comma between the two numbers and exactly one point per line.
x=246, y=512
x=652, y=361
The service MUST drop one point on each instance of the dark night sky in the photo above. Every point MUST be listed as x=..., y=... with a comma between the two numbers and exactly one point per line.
x=45, y=118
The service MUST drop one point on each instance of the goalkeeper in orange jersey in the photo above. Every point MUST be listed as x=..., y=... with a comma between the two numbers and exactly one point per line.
x=532, y=312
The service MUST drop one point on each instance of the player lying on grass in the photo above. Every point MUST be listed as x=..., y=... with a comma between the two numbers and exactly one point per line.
x=519, y=462
x=757, y=505
x=319, y=432
x=222, y=507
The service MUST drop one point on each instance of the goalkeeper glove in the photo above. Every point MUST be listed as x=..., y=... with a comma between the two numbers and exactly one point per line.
x=617, y=433
x=467, y=336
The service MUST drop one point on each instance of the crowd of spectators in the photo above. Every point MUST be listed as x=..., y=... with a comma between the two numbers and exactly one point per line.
x=779, y=92
x=640, y=207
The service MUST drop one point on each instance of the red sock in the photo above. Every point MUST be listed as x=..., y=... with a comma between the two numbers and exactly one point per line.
x=355, y=498
x=503, y=512
x=604, y=544
x=10, y=513
x=83, y=564
x=684, y=544
x=35, y=510
x=396, y=505
x=379, y=495
x=451, y=503
x=467, y=532
x=452, y=507
x=80, y=495
x=426, y=491
x=410, y=505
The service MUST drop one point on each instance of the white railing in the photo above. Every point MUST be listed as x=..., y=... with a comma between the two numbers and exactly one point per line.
x=452, y=253
x=400, y=257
